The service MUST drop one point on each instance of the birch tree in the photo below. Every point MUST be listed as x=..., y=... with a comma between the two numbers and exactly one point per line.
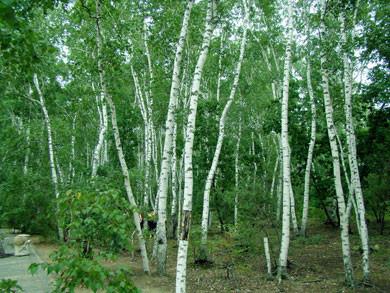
x=170, y=135
x=351, y=141
x=306, y=191
x=221, y=135
x=236, y=173
x=103, y=121
x=53, y=171
x=181, y=267
x=335, y=159
x=118, y=144
x=285, y=240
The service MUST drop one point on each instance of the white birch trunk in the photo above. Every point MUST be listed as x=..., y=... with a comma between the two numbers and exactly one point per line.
x=236, y=177
x=168, y=141
x=72, y=151
x=336, y=162
x=53, y=171
x=181, y=268
x=27, y=155
x=279, y=188
x=121, y=157
x=221, y=135
x=174, y=182
x=220, y=67
x=351, y=141
x=140, y=100
x=59, y=172
x=275, y=167
x=180, y=197
x=285, y=240
x=351, y=200
x=293, y=214
x=305, y=209
x=129, y=192
x=102, y=115
x=267, y=257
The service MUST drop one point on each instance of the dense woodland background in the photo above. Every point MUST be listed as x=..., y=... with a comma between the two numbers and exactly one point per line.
x=70, y=68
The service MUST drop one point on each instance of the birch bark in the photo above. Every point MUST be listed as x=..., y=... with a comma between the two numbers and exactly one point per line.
x=53, y=171
x=72, y=151
x=285, y=240
x=102, y=99
x=27, y=155
x=121, y=157
x=351, y=141
x=170, y=123
x=236, y=175
x=312, y=142
x=188, y=146
x=221, y=135
x=336, y=161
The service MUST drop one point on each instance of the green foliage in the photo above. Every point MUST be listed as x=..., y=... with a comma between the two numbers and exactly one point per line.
x=73, y=271
x=27, y=204
x=10, y=286
x=98, y=224
x=101, y=218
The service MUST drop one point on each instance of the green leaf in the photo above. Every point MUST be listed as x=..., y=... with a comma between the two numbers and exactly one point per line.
x=33, y=268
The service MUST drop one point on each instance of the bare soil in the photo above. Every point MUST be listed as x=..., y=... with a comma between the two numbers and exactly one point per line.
x=315, y=265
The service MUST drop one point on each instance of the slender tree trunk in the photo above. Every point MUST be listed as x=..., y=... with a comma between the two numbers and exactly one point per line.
x=174, y=183
x=305, y=209
x=121, y=157
x=275, y=169
x=27, y=155
x=60, y=175
x=336, y=162
x=293, y=214
x=282, y=269
x=220, y=67
x=102, y=112
x=351, y=141
x=72, y=151
x=170, y=123
x=96, y=157
x=181, y=268
x=279, y=188
x=129, y=192
x=221, y=134
x=147, y=139
x=236, y=177
x=267, y=257
x=53, y=171
x=351, y=200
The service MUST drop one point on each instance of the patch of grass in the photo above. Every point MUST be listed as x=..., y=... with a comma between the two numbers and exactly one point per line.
x=310, y=240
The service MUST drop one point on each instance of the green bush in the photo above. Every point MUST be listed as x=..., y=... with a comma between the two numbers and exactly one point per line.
x=10, y=286
x=73, y=270
x=96, y=218
x=98, y=223
x=27, y=204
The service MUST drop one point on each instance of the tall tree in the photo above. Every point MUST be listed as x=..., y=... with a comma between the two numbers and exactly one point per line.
x=305, y=208
x=351, y=140
x=118, y=144
x=221, y=135
x=170, y=129
x=335, y=156
x=285, y=240
x=181, y=268
x=52, y=160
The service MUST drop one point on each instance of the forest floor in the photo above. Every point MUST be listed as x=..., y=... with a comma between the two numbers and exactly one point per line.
x=315, y=265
